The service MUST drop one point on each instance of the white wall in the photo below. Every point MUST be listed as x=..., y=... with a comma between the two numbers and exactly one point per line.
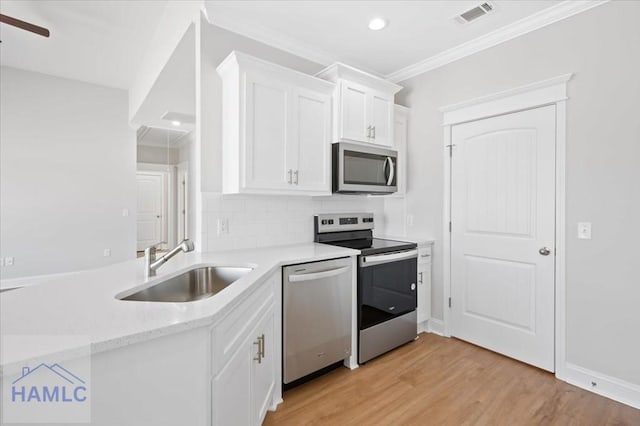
x=67, y=170
x=254, y=221
x=157, y=155
x=603, y=172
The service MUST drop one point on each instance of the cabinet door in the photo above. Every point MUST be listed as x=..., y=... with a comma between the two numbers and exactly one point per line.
x=354, y=118
x=400, y=130
x=424, y=292
x=382, y=114
x=312, y=131
x=266, y=138
x=263, y=372
x=231, y=396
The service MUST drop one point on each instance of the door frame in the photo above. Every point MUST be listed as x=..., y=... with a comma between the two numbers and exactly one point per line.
x=547, y=92
x=169, y=178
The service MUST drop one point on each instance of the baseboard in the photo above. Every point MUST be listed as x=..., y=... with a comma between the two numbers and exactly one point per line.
x=607, y=386
x=435, y=326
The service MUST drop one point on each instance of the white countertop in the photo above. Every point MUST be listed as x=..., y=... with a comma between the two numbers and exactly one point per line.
x=85, y=304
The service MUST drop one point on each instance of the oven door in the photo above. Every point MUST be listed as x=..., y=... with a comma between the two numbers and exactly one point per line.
x=386, y=287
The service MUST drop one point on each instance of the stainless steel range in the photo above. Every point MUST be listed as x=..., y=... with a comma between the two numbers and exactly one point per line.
x=387, y=270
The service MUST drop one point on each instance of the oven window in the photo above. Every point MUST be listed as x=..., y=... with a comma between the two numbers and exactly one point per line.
x=384, y=291
x=366, y=169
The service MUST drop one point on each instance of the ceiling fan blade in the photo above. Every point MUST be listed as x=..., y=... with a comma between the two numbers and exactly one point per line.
x=24, y=25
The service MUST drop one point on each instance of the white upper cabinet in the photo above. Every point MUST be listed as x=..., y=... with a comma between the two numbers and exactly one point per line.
x=276, y=129
x=363, y=105
x=400, y=139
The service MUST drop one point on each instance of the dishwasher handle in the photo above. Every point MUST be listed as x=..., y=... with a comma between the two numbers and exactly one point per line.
x=317, y=275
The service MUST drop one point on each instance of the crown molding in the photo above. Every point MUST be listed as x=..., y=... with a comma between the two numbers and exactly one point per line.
x=523, y=26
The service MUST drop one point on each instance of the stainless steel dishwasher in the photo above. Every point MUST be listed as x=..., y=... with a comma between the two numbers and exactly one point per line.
x=317, y=304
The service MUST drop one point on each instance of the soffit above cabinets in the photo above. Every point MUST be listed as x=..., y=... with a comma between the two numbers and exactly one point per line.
x=420, y=35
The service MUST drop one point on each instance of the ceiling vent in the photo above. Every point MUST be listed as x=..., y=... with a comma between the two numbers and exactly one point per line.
x=475, y=13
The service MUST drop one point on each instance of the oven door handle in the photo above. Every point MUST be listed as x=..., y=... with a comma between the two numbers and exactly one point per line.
x=317, y=275
x=378, y=259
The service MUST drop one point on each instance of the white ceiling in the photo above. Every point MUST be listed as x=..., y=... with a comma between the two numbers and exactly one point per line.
x=329, y=31
x=161, y=138
x=95, y=41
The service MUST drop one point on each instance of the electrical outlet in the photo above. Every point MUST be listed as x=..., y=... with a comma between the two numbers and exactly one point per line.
x=1, y=261
x=107, y=253
x=8, y=261
x=223, y=226
x=125, y=212
x=584, y=230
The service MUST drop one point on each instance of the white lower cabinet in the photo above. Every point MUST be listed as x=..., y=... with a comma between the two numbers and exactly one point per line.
x=243, y=389
x=263, y=372
x=424, y=285
x=246, y=348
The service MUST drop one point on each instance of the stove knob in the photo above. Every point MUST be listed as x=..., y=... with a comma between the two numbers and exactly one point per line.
x=413, y=286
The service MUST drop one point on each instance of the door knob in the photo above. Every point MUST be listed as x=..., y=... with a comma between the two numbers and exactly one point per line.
x=544, y=251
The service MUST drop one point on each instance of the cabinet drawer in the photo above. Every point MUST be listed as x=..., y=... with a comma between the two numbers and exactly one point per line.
x=230, y=332
x=424, y=254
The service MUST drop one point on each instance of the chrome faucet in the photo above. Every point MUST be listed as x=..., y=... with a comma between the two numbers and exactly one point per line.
x=150, y=262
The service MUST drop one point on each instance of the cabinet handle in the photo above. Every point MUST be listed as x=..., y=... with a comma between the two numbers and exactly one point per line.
x=374, y=132
x=369, y=132
x=260, y=354
x=295, y=176
x=289, y=172
x=420, y=275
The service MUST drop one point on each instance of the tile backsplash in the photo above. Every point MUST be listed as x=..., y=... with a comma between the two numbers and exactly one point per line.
x=247, y=221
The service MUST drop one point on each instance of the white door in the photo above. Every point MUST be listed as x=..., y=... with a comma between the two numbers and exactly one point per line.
x=382, y=118
x=312, y=131
x=263, y=369
x=182, y=199
x=354, y=120
x=267, y=138
x=502, y=213
x=150, y=206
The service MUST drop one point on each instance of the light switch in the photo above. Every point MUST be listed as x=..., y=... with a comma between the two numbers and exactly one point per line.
x=8, y=261
x=107, y=252
x=125, y=212
x=584, y=230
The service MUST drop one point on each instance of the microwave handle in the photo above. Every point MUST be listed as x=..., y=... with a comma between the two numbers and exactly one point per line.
x=392, y=170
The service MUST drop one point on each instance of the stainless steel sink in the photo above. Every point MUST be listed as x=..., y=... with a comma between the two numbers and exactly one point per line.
x=195, y=284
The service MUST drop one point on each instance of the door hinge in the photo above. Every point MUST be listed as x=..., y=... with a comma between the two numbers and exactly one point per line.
x=449, y=302
x=450, y=146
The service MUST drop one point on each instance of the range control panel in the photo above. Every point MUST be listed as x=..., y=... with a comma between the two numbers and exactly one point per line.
x=343, y=222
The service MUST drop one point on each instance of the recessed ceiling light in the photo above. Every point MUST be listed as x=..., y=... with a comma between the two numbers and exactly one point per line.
x=377, y=24
x=176, y=123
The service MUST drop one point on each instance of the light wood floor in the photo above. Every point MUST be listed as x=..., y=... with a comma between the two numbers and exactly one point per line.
x=436, y=380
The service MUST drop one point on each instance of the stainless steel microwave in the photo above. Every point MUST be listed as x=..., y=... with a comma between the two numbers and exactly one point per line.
x=360, y=169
